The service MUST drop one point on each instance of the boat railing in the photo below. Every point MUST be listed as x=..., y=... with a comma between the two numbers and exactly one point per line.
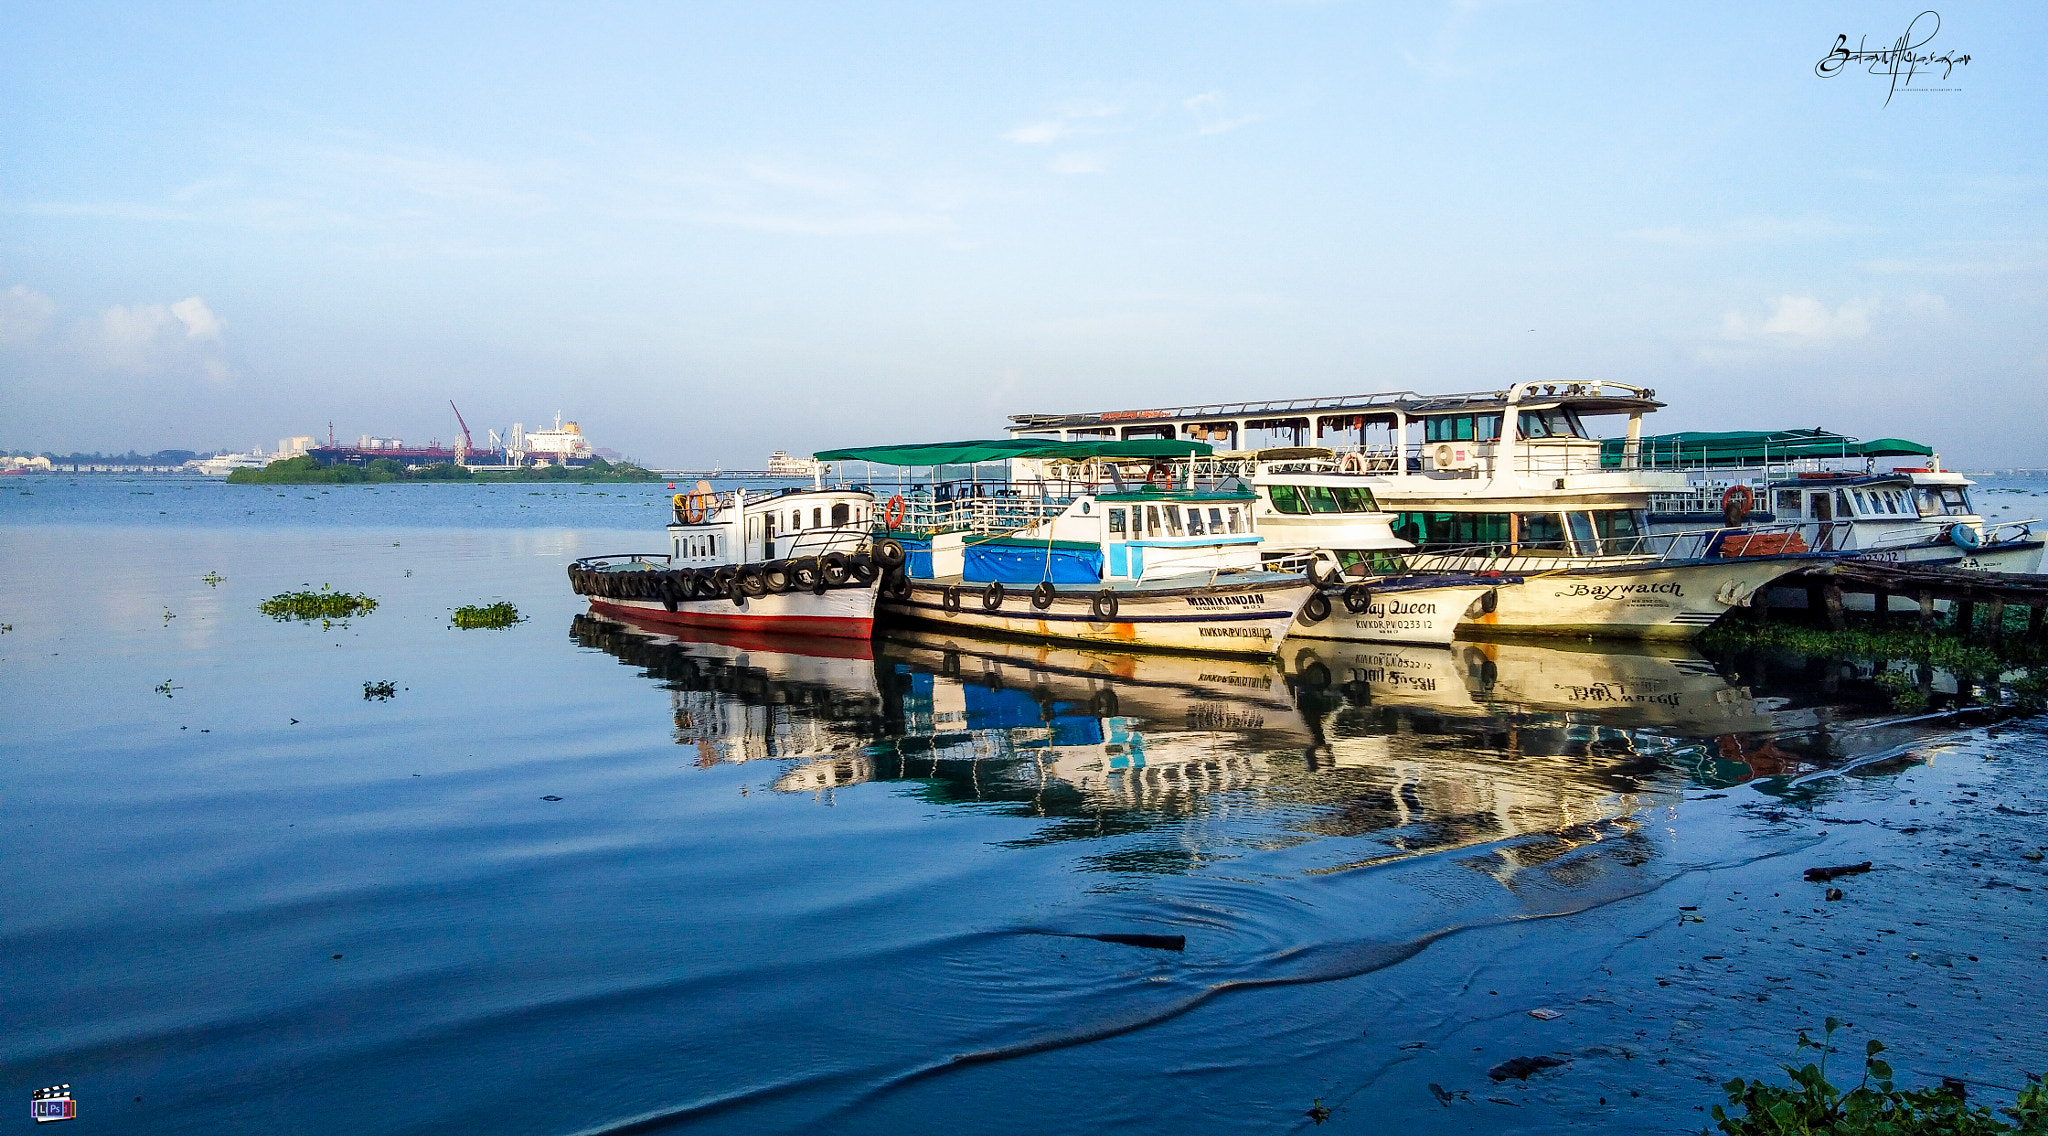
x=817, y=542
x=1649, y=548
x=1002, y=508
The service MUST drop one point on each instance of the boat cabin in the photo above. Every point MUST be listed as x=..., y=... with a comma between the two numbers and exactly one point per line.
x=710, y=529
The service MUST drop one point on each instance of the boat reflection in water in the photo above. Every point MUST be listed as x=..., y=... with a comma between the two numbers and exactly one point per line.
x=1414, y=749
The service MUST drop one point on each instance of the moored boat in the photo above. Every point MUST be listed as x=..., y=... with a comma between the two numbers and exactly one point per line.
x=1149, y=565
x=794, y=562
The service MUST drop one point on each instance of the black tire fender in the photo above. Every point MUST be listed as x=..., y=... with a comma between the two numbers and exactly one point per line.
x=992, y=596
x=1104, y=605
x=1043, y=595
x=1357, y=598
x=1317, y=609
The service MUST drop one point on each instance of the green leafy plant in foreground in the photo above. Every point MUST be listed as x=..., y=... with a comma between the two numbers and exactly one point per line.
x=323, y=604
x=500, y=614
x=1876, y=1106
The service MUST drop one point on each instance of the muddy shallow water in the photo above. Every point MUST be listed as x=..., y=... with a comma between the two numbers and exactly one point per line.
x=797, y=884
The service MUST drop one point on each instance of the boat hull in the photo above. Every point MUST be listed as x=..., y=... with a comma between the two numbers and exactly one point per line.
x=1427, y=616
x=1646, y=600
x=838, y=613
x=1228, y=619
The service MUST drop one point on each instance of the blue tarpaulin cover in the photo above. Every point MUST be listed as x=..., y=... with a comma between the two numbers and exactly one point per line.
x=1024, y=564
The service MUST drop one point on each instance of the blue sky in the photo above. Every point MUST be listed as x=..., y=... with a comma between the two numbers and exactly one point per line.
x=707, y=231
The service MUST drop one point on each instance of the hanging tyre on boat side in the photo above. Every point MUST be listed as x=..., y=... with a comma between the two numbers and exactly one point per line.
x=992, y=596
x=1357, y=598
x=950, y=600
x=889, y=553
x=775, y=574
x=861, y=567
x=1317, y=609
x=803, y=572
x=1104, y=605
x=1043, y=595
x=753, y=581
x=832, y=568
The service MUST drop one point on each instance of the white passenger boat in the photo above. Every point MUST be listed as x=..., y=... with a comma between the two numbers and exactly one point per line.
x=1501, y=482
x=1829, y=489
x=794, y=562
x=1145, y=563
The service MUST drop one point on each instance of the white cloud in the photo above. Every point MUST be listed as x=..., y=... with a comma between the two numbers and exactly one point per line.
x=1800, y=320
x=1077, y=163
x=149, y=338
x=1072, y=120
x=199, y=320
x=24, y=315
x=1210, y=115
x=1039, y=133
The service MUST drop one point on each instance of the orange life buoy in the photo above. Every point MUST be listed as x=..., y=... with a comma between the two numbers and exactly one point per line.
x=695, y=508
x=1160, y=474
x=1736, y=501
x=892, y=514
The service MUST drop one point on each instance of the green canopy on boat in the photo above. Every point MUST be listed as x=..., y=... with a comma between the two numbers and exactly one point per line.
x=1755, y=447
x=1003, y=449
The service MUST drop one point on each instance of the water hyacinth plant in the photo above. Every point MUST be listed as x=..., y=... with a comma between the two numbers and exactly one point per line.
x=500, y=614
x=325, y=604
x=1875, y=1106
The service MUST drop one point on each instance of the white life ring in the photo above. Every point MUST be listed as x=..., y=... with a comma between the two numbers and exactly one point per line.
x=1353, y=462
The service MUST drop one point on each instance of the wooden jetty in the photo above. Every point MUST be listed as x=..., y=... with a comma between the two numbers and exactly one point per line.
x=1964, y=589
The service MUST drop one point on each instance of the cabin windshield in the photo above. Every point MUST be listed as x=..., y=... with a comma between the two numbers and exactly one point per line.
x=1944, y=501
x=1554, y=422
x=1372, y=563
x=1302, y=499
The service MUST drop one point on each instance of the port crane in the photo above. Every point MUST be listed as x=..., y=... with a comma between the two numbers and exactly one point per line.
x=462, y=451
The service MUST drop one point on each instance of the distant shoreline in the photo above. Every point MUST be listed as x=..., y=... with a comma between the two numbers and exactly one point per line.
x=306, y=471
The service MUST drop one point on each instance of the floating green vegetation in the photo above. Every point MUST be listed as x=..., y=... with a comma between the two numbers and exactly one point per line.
x=1940, y=647
x=379, y=691
x=307, y=471
x=213, y=579
x=1876, y=1105
x=500, y=614
x=324, y=604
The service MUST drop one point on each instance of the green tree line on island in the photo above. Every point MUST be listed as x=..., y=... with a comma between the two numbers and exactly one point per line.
x=306, y=471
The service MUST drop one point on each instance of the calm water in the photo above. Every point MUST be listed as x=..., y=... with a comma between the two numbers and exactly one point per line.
x=789, y=885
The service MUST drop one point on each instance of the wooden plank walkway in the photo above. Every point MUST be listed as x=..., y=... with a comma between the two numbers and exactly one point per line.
x=1965, y=589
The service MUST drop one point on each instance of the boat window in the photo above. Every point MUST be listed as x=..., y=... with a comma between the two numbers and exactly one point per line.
x=1356, y=500
x=1216, y=521
x=1195, y=523
x=1233, y=520
x=1152, y=520
x=1955, y=502
x=1320, y=499
x=841, y=513
x=1172, y=521
x=1116, y=520
x=1540, y=534
x=817, y=518
x=1286, y=498
x=1891, y=501
x=1862, y=506
x=1788, y=502
x=1582, y=533
x=1462, y=428
x=1619, y=530
x=1452, y=530
x=1556, y=422
x=1928, y=500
